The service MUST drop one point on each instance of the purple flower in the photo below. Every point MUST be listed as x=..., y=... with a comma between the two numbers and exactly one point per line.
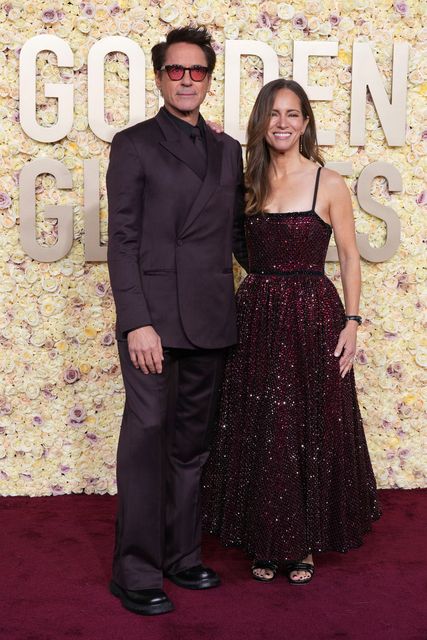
x=37, y=420
x=404, y=453
x=64, y=468
x=401, y=7
x=47, y=392
x=92, y=437
x=77, y=302
x=114, y=9
x=217, y=47
x=5, y=408
x=101, y=289
x=5, y=200
x=88, y=10
x=334, y=19
x=424, y=135
x=266, y=21
x=403, y=281
x=403, y=409
x=389, y=335
x=50, y=16
x=361, y=357
x=107, y=339
x=422, y=198
x=57, y=490
x=71, y=375
x=395, y=370
x=77, y=414
x=299, y=21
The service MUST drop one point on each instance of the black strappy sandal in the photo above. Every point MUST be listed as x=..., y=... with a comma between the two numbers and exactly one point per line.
x=264, y=564
x=299, y=566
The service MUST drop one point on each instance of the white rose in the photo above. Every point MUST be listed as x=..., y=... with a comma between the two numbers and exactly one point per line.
x=325, y=28
x=38, y=338
x=263, y=34
x=32, y=391
x=231, y=31
x=313, y=24
x=169, y=13
x=346, y=24
x=285, y=11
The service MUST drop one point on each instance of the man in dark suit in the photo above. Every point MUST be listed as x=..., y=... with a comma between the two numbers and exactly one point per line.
x=175, y=192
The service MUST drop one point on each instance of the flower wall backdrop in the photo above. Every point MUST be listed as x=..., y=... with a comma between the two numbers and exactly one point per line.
x=61, y=394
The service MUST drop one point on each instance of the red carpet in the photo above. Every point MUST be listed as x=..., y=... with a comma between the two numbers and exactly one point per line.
x=55, y=566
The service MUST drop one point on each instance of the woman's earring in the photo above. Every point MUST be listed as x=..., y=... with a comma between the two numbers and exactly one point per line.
x=300, y=142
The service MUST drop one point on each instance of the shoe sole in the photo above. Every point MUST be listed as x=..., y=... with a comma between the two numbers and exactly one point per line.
x=207, y=584
x=143, y=610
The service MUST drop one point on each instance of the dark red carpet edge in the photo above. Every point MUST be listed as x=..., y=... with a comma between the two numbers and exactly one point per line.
x=55, y=568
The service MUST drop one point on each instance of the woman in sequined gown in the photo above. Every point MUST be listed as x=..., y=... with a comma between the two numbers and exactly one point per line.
x=289, y=472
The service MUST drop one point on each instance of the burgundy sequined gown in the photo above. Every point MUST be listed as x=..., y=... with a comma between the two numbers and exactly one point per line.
x=289, y=471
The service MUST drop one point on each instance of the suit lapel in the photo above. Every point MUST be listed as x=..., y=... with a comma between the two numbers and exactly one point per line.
x=211, y=180
x=179, y=145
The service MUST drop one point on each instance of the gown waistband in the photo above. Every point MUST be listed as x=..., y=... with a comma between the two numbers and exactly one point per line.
x=299, y=272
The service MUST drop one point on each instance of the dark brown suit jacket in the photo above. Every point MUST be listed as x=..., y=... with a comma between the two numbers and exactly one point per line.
x=172, y=232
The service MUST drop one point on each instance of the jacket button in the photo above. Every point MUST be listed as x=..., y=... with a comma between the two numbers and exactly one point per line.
x=179, y=243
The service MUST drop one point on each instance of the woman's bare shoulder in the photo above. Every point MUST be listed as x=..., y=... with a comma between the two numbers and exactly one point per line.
x=331, y=178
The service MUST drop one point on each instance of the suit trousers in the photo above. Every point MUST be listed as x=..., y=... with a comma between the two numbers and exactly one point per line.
x=163, y=445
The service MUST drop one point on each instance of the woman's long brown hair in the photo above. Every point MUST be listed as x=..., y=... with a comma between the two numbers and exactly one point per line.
x=257, y=151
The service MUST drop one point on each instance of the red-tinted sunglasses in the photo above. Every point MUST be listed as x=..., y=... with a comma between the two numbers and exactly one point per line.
x=177, y=71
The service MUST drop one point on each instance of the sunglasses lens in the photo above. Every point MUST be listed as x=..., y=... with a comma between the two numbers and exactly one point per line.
x=175, y=71
x=198, y=73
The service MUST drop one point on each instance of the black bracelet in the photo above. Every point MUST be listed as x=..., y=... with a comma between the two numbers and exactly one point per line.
x=358, y=319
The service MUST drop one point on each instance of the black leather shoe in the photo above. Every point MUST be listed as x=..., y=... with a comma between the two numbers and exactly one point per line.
x=146, y=602
x=198, y=577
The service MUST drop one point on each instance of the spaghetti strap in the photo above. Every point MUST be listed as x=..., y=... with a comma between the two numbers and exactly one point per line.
x=316, y=186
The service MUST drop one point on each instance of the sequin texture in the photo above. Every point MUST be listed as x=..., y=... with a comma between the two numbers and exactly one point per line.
x=289, y=471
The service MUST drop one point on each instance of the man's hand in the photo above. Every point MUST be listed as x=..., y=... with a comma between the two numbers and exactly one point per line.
x=145, y=349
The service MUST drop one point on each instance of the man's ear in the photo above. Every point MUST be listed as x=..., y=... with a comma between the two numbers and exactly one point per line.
x=157, y=78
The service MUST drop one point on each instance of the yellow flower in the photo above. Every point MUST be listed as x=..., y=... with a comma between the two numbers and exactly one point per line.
x=62, y=346
x=344, y=56
x=90, y=331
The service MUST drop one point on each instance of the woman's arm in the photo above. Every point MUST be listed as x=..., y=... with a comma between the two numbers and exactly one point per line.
x=341, y=215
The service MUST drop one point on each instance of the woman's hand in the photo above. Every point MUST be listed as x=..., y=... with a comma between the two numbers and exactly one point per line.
x=346, y=347
x=215, y=126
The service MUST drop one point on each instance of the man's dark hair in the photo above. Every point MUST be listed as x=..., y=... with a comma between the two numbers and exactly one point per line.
x=191, y=35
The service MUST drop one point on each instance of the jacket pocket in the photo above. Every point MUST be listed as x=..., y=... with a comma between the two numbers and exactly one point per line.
x=157, y=272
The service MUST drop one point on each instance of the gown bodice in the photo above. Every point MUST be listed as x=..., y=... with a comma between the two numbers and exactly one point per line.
x=287, y=242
